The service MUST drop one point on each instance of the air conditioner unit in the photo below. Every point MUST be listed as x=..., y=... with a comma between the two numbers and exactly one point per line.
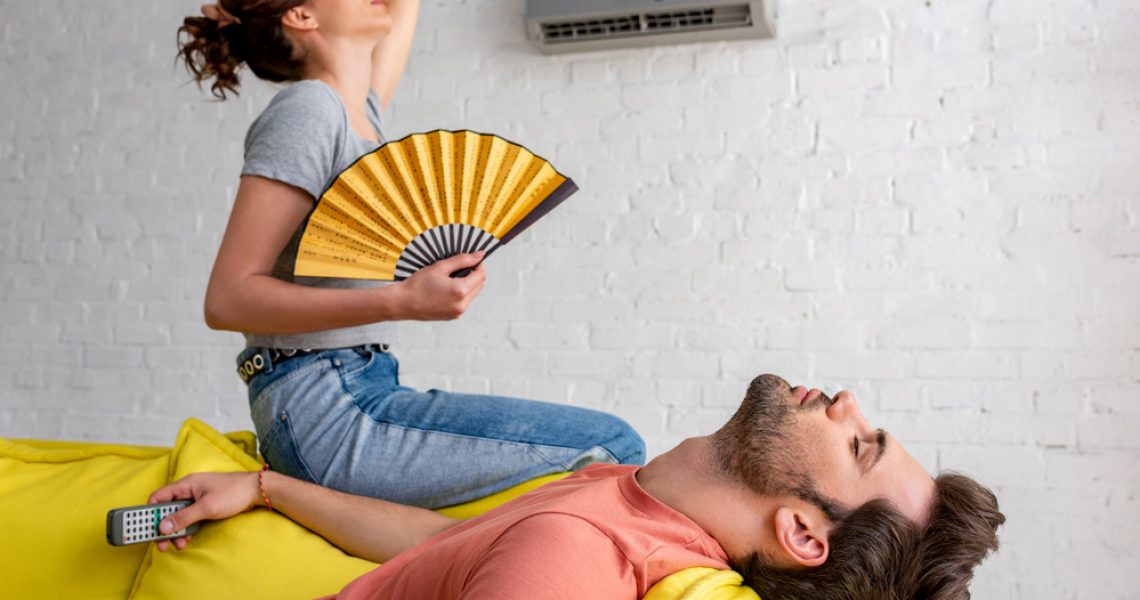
x=556, y=26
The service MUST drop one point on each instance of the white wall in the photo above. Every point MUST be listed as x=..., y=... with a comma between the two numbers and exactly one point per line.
x=933, y=203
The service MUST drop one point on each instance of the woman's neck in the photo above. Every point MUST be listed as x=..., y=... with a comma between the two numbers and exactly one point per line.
x=346, y=66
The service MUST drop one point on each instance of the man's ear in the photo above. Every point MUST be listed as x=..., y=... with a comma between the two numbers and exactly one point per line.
x=802, y=535
x=299, y=18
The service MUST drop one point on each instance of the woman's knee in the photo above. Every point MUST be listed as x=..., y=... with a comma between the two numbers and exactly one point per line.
x=625, y=444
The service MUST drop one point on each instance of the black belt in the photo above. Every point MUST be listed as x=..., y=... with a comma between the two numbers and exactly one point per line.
x=280, y=355
x=267, y=357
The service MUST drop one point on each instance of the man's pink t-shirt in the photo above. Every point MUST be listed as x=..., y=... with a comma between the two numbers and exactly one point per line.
x=595, y=534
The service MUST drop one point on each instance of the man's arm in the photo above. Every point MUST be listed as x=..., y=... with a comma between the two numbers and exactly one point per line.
x=548, y=557
x=372, y=529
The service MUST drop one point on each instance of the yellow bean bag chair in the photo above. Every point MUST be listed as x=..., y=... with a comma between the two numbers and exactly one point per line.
x=54, y=497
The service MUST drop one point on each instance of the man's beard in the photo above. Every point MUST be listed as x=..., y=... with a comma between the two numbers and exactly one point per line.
x=759, y=447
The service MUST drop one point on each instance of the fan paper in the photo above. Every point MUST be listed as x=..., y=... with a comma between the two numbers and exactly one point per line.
x=425, y=198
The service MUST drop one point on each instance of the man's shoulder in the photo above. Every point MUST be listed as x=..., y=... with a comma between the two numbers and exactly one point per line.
x=551, y=540
x=589, y=476
x=551, y=555
x=598, y=478
x=558, y=524
x=600, y=470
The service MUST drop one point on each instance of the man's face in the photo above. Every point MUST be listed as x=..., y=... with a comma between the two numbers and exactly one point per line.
x=827, y=442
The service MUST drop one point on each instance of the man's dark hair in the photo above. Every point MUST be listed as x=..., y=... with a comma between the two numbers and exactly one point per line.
x=876, y=552
x=872, y=556
x=961, y=531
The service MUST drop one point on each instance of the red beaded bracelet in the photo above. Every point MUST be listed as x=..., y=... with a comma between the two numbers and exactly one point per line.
x=261, y=486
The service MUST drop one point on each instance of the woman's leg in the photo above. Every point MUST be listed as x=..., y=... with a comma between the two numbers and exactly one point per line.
x=349, y=425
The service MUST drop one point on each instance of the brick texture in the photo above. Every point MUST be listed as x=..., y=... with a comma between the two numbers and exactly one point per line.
x=934, y=203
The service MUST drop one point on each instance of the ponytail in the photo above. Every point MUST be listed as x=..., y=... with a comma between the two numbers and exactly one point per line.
x=204, y=47
x=252, y=35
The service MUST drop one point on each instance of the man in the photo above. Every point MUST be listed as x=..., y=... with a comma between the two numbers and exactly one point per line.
x=796, y=491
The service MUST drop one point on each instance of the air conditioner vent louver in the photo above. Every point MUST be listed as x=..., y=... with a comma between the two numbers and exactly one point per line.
x=565, y=25
x=585, y=29
x=647, y=24
x=683, y=20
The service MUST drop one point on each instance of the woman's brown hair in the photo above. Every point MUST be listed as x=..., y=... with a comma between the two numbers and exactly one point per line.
x=216, y=50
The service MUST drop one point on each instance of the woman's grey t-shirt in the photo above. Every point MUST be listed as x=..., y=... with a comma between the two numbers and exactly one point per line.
x=303, y=138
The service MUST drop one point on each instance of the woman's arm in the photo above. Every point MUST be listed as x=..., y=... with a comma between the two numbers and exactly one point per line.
x=390, y=56
x=243, y=296
x=372, y=529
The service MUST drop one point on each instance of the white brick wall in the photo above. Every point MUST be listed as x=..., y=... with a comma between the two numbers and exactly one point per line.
x=934, y=203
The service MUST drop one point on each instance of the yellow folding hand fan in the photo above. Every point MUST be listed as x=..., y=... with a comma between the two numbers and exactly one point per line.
x=424, y=198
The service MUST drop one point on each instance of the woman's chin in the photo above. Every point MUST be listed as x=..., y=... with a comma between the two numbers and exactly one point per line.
x=375, y=31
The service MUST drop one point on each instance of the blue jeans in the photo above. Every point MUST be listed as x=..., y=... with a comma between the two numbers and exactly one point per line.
x=340, y=418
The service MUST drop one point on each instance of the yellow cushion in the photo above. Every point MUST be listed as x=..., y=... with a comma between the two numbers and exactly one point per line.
x=257, y=554
x=482, y=505
x=54, y=499
x=702, y=583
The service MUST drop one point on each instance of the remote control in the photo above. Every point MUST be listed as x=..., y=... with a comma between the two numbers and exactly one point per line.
x=135, y=524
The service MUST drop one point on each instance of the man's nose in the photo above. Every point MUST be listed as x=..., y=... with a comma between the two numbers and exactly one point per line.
x=845, y=410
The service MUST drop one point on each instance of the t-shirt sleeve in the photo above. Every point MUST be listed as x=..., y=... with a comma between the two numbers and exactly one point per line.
x=552, y=557
x=373, y=108
x=296, y=138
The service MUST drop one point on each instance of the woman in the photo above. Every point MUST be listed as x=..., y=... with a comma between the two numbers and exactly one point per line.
x=323, y=386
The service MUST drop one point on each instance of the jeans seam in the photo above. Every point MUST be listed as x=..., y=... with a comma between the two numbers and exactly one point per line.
x=376, y=420
x=284, y=428
x=537, y=449
x=452, y=433
x=526, y=445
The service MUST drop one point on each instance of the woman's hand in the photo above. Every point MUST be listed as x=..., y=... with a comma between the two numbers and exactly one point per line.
x=432, y=294
x=244, y=296
x=215, y=495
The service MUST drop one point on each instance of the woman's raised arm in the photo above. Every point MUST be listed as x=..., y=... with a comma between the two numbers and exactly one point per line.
x=391, y=55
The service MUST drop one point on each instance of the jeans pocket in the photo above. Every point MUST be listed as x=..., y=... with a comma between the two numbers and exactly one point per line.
x=279, y=448
x=360, y=363
x=265, y=385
